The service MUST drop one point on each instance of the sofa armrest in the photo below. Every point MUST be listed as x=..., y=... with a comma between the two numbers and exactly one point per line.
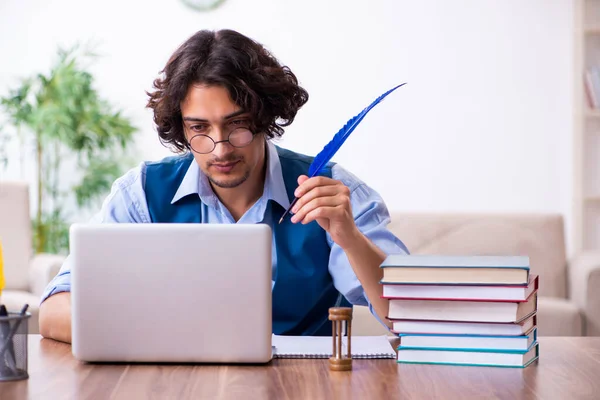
x=584, y=284
x=42, y=269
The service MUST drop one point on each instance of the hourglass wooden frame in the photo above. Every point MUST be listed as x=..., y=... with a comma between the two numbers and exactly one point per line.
x=341, y=318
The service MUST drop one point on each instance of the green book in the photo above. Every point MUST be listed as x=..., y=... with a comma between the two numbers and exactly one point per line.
x=468, y=357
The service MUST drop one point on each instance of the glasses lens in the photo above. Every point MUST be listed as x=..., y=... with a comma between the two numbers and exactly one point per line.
x=202, y=144
x=240, y=137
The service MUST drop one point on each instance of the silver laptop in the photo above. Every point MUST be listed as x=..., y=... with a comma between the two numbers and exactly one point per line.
x=171, y=293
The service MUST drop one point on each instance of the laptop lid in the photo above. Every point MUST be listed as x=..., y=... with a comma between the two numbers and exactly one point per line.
x=171, y=292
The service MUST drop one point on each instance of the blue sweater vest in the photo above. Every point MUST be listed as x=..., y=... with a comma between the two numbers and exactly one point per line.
x=303, y=290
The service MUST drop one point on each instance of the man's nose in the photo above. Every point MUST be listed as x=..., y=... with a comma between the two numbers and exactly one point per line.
x=222, y=147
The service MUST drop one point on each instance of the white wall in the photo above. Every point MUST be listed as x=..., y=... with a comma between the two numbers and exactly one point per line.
x=484, y=123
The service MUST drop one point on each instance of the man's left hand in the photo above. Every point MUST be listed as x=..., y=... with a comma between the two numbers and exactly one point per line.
x=326, y=201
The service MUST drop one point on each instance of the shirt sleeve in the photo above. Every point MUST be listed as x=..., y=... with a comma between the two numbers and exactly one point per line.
x=371, y=217
x=125, y=203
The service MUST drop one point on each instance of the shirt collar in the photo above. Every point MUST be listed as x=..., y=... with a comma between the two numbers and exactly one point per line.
x=274, y=183
x=195, y=182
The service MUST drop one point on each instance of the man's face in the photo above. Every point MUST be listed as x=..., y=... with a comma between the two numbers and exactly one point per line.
x=208, y=110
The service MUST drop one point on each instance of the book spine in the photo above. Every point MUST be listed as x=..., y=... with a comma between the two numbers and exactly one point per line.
x=589, y=90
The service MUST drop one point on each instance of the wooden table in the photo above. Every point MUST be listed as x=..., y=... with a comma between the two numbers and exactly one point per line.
x=569, y=368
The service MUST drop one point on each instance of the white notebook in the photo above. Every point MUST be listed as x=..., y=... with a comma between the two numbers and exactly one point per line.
x=321, y=347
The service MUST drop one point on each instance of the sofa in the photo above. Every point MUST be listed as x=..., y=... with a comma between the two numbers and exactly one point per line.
x=26, y=275
x=569, y=303
x=569, y=289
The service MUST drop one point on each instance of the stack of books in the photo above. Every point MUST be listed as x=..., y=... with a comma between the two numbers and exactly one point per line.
x=463, y=310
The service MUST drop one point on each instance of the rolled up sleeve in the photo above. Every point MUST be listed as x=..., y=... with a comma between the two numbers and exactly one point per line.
x=372, y=218
x=61, y=282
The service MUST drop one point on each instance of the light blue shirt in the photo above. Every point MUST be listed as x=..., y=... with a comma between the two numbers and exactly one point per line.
x=126, y=203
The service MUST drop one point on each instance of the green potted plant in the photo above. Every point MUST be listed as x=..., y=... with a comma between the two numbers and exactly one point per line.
x=75, y=136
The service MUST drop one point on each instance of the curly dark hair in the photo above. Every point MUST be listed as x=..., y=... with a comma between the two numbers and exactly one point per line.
x=254, y=78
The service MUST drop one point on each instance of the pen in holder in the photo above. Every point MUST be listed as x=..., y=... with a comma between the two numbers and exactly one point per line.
x=341, y=359
x=13, y=344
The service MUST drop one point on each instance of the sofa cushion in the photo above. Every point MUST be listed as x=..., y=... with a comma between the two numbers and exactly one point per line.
x=539, y=236
x=16, y=299
x=558, y=317
x=365, y=324
x=15, y=234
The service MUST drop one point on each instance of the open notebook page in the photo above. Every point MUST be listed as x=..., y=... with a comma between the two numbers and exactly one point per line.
x=321, y=347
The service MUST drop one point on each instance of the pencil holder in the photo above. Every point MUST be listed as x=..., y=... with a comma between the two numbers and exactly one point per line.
x=13, y=346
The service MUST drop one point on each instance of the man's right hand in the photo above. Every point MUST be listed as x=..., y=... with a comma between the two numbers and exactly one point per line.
x=55, y=317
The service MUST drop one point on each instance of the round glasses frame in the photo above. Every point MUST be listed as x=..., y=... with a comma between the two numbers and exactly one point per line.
x=238, y=137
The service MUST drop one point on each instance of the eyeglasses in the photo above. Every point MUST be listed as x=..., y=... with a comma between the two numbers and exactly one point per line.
x=204, y=144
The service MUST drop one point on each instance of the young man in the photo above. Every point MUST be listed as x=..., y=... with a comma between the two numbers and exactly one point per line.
x=220, y=100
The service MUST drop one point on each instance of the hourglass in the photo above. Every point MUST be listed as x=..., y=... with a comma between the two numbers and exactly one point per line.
x=341, y=358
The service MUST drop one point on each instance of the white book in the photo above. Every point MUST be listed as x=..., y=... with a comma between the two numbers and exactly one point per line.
x=464, y=328
x=461, y=292
x=457, y=310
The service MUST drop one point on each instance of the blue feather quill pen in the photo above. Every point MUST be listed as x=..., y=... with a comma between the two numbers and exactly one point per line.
x=325, y=155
